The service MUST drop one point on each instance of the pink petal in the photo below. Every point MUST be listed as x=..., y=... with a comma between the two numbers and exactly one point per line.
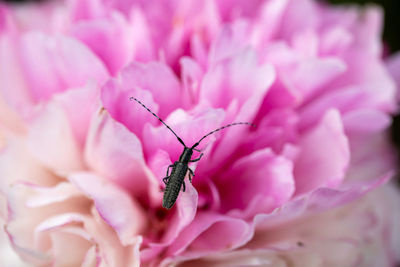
x=184, y=215
x=158, y=79
x=185, y=212
x=241, y=85
x=86, y=10
x=115, y=206
x=113, y=38
x=239, y=78
x=116, y=153
x=263, y=180
x=299, y=16
x=115, y=97
x=344, y=99
x=65, y=63
x=309, y=75
x=324, y=155
x=190, y=128
x=192, y=75
x=205, y=232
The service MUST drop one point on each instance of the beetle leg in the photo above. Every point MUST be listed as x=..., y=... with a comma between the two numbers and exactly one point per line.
x=165, y=180
x=191, y=174
x=198, y=150
x=194, y=160
x=184, y=187
x=168, y=169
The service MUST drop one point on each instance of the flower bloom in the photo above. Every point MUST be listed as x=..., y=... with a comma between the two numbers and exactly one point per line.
x=81, y=166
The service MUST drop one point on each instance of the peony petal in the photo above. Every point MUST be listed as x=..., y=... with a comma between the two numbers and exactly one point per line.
x=393, y=65
x=264, y=180
x=49, y=195
x=65, y=63
x=79, y=105
x=203, y=235
x=319, y=200
x=158, y=79
x=190, y=128
x=57, y=147
x=360, y=121
x=115, y=97
x=14, y=88
x=115, y=206
x=114, y=38
x=226, y=81
x=116, y=154
x=324, y=157
x=11, y=169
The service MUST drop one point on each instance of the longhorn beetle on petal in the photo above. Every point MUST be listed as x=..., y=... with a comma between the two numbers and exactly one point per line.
x=175, y=180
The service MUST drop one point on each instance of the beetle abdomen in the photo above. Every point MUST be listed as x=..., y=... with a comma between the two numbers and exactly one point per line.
x=174, y=184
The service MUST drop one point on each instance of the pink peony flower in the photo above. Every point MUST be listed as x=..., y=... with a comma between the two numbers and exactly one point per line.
x=81, y=166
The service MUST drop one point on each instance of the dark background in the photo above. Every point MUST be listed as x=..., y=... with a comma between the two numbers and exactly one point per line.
x=391, y=36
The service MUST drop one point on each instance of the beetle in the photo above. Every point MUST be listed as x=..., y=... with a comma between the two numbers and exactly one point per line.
x=174, y=181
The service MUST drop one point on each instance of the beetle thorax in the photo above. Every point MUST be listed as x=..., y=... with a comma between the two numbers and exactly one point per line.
x=186, y=155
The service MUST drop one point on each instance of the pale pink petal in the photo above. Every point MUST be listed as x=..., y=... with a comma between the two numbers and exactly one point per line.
x=359, y=120
x=319, y=200
x=11, y=169
x=57, y=147
x=364, y=148
x=114, y=205
x=116, y=153
x=23, y=220
x=79, y=105
x=14, y=87
x=324, y=155
x=7, y=254
x=49, y=195
x=68, y=240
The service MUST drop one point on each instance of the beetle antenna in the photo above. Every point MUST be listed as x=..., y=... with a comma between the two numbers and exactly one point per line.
x=180, y=140
x=223, y=127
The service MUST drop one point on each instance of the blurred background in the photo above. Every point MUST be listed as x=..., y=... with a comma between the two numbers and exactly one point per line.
x=391, y=36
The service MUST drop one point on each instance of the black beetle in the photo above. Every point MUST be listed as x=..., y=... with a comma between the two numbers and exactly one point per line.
x=174, y=181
